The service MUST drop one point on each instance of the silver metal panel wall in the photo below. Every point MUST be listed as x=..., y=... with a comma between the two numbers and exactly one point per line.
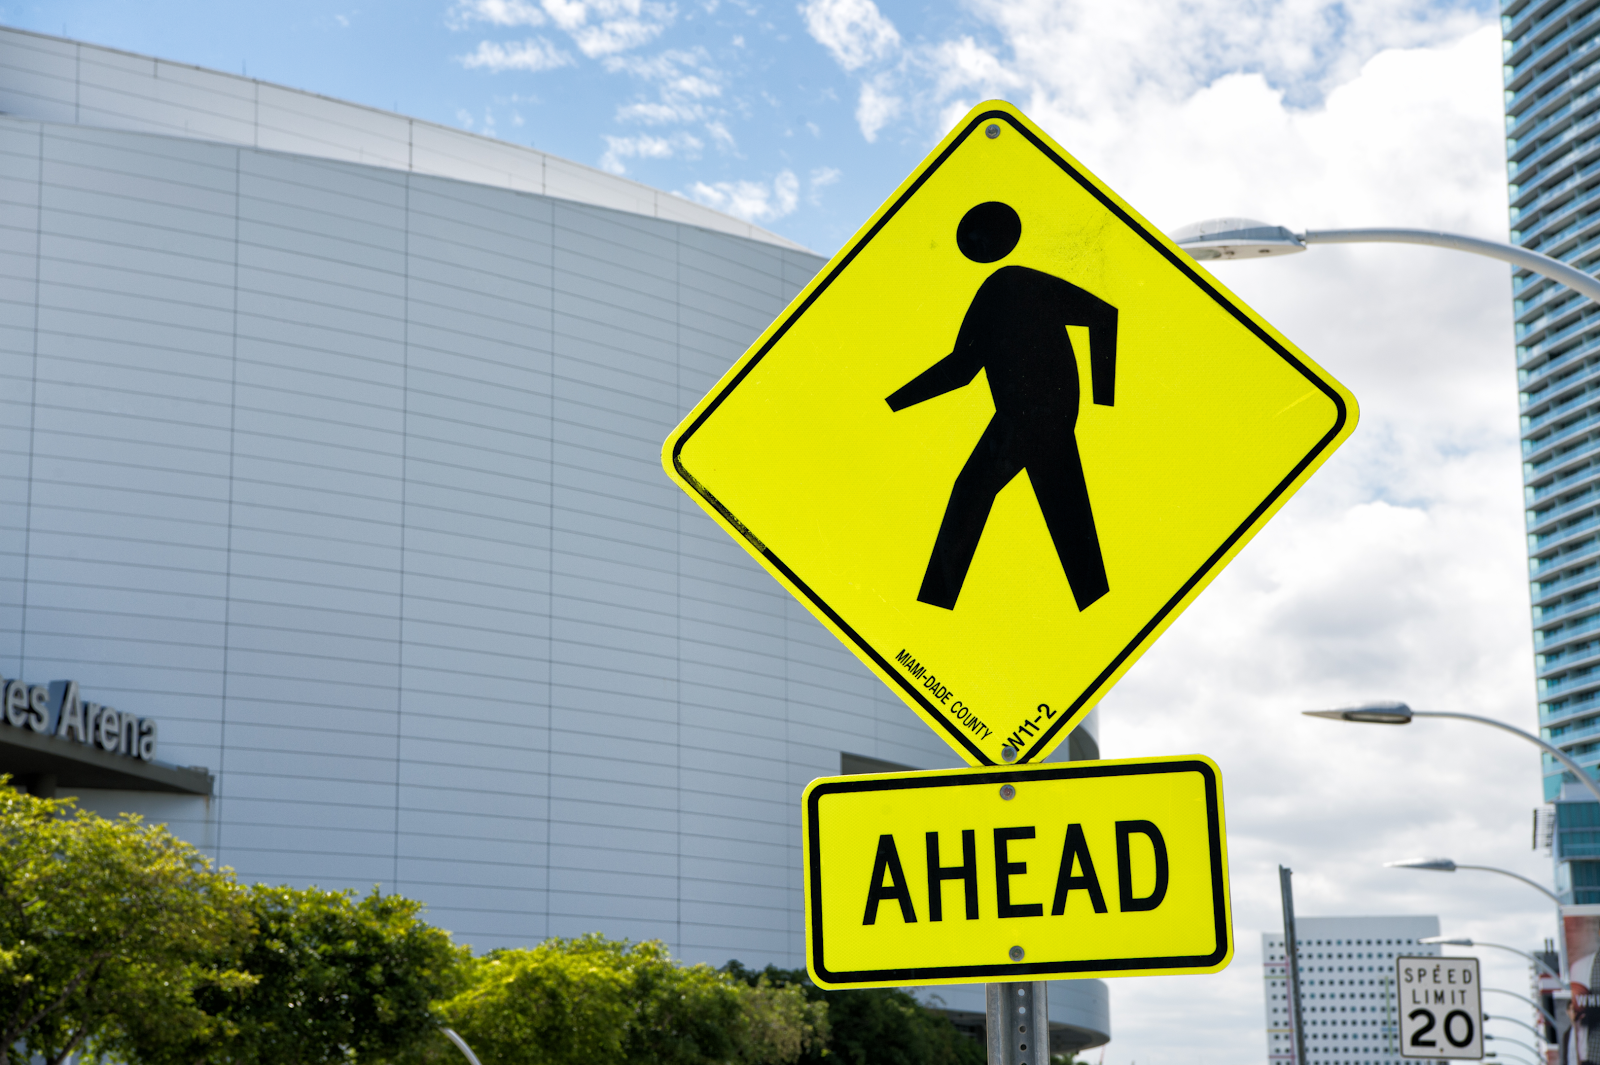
x=349, y=476
x=52, y=79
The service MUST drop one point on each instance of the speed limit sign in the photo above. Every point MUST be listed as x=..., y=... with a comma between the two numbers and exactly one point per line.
x=1441, y=1009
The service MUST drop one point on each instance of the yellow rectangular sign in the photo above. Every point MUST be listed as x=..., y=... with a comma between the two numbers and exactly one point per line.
x=983, y=875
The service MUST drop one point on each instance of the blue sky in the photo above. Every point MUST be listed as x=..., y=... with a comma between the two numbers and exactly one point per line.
x=1399, y=572
x=799, y=116
x=730, y=102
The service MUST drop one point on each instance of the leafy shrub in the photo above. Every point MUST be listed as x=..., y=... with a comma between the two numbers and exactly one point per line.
x=876, y=1026
x=590, y=999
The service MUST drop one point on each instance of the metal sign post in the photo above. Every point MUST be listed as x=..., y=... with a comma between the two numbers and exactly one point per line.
x=1017, y=1021
x=1291, y=955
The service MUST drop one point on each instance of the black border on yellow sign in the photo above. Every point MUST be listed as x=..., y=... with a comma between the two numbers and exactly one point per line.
x=1006, y=971
x=1178, y=260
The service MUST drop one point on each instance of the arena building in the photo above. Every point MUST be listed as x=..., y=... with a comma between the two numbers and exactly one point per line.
x=335, y=534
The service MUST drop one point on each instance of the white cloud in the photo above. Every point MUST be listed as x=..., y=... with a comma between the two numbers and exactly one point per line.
x=854, y=32
x=1400, y=570
x=646, y=146
x=607, y=27
x=964, y=64
x=1106, y=54
x=821, y=178
x=494, y=12
x=533, y=54
x=657, y=113
x=615, y=35
x=876, y=108
x=753, y=201
x=684, y=81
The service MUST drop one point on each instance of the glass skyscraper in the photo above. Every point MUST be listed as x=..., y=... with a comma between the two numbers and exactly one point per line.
x=1552, y=83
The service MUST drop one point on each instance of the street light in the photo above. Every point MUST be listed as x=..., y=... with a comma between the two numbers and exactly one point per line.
x=1245, y=238
x=1532, y=1002
x=1513, y=1042
x=1445, y=865
x=461, y=1045
x=1500, y=1017
x=1463, y=941
x=1395, y=713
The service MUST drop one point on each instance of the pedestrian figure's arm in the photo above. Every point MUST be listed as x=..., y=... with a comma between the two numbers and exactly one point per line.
x=948, y=374
x=1101, y=319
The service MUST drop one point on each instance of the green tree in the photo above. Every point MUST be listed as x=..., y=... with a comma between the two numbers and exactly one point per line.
x=336, y=979
x=578, y=1001
x=876, y=1026
x=544, y=1006
x=106, y=923
x=781, y=1024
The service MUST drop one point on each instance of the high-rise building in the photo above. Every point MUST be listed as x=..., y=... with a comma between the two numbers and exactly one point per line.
x=1347, y=969
x=1552, y=99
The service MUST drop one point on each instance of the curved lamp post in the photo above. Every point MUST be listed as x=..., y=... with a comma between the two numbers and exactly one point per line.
x=1501, y=1017
x=1445, y=865
x=1463, y=941
x=1245, y=238
x=1542, y=1011
x=1392, y=713
x=461, y=1044
x=1508, y=1057
x=1513, y=1042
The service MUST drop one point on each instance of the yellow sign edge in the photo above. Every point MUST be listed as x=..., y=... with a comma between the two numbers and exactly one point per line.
x=1222, y=895
x=1344, y=425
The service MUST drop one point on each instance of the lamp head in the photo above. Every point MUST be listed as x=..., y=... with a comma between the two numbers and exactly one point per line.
x=1440, y=865
x=1380, y=713
x=1447, y=941
x=1236, y=238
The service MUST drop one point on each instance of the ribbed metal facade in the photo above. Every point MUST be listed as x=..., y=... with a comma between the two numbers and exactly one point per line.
x=348, y=474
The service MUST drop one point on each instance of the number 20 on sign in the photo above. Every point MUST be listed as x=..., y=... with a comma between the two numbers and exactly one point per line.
x=1441, y=1008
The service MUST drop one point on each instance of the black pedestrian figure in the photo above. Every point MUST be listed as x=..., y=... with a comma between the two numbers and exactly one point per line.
x=1015, y=329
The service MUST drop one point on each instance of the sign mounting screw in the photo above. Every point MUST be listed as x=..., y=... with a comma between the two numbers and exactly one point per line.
x=992, y=130
x=1016, y=953
x=1008, y=753
x=1007, y=792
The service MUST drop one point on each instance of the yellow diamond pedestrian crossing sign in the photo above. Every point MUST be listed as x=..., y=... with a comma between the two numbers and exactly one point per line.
x=1004, y=437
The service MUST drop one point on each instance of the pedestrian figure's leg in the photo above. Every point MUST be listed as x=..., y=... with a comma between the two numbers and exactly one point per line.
x=991, y=466
x=1056, y=473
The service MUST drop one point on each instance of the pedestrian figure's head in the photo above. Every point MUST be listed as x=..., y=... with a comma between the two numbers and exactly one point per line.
x=988, y=232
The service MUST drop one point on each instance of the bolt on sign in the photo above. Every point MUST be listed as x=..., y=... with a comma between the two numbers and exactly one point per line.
x=1115, y=868
x=1441, y=1007
x=1004, y=437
